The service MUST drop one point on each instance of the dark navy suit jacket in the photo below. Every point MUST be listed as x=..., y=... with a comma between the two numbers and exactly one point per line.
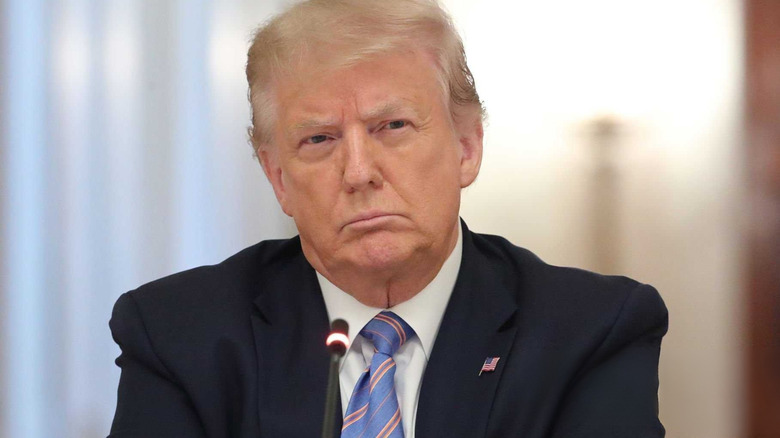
x=237, y=350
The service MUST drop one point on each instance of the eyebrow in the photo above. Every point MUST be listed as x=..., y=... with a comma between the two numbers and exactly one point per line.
x=385, y=110
x=312, y=123
x=379, y=112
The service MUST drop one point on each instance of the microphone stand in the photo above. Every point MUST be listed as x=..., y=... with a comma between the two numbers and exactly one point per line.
x=337, y=346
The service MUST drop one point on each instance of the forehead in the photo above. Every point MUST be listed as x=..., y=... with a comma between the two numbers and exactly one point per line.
x=382, y=84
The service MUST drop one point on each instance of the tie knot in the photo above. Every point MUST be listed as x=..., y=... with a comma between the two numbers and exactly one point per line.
x=387, y=331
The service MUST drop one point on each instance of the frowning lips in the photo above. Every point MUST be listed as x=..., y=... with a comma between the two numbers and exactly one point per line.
x=369, y=219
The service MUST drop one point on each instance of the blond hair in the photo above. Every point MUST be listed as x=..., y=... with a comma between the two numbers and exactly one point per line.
x=347, y=32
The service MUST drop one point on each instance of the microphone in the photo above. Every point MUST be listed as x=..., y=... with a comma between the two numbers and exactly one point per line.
x=337, y=343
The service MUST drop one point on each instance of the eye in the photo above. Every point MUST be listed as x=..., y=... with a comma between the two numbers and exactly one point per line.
x=396, y=124
x=316, y=139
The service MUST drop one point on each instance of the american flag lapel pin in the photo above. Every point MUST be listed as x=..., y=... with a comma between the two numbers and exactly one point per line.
x=489, y=365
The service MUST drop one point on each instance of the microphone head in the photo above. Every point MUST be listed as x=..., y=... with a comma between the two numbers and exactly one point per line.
x=338, y=341
x=339, y=326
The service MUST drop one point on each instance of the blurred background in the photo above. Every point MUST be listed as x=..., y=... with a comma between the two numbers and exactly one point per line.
x=623, y=137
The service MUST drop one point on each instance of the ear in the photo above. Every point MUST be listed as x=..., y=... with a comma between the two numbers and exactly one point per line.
x=470, y=134
x=269, y=159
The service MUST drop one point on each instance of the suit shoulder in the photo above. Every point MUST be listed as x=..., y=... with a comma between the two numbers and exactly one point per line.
x=567, y=289
x=184, y=317
x=213, y=294
x=236, y=270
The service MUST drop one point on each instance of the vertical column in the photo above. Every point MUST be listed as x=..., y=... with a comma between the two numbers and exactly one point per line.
x=763, y=237
x=4, y=389
x=193, y=175
x=24, y=276
x=605, y=201
x=71, y=116
x=157, y=97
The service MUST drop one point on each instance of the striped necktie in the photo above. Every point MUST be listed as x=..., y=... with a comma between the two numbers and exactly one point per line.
x=373, y=410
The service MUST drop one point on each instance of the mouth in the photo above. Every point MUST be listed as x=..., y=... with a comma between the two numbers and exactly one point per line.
x=369, y=220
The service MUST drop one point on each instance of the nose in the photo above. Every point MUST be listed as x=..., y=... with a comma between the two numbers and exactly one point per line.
x=361, y=165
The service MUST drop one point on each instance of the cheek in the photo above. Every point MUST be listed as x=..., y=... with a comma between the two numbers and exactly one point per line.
x=311, y=190
x=437, y=165
x=430, y=177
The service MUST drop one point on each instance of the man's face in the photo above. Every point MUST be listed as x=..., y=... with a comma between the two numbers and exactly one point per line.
x=369, y=163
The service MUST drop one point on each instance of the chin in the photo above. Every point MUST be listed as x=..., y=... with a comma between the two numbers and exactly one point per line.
x=382, y=251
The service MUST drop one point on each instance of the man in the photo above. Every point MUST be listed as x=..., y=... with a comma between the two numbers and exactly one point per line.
x=367, y=124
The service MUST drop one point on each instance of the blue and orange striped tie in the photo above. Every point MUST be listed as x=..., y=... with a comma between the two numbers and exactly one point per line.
x=373, y=410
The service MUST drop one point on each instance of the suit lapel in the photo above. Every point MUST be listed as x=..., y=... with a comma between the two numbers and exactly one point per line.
x=290, y=326
x=479, y=323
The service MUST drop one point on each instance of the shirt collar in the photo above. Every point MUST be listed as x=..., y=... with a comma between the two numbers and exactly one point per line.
x=423, y=312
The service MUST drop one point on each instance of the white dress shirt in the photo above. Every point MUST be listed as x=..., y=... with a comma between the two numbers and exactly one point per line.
x=423, y=313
